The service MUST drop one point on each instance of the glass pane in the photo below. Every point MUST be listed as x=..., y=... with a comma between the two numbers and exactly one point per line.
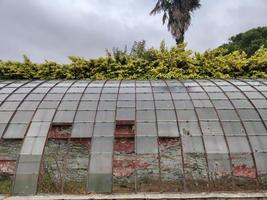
x=146, y=129
x=192, y=144
x=206, y=114
x=16, y=131
x=38, y=129
x=162, y=96
x=166, y=115
x=42, y=115
x=126, y=104
x=228, y=115
x=88, y=105
x=238, y=145
x=104, y=129
x=183, y=105
x=263, y=113
x=33, y=146
x=235, y=95
x=100, y=163
x=222, y=104
x=102, y=145
x=9, y=105
x=68, y=105
x=248, y=114
x=82, y=130
x=105, y=116
x=215, y=144
x=217, y=95
x=72, y=97
x=211, y=128
x=198, y=95
x=90, y=97
x=85, y=116
x=233, y=128
x=254, y=128
x=35, y=97
x=145, y=105
x=53, y=97
x=168, y=129
x=125, y=114
x=260, y=103
x=180, y=96
x=29, y=105
x=145, y=115
x=22, y=117
x=258, y=143
x=146, y=145
x=16, y=97
x=5, y=116
x=164, y=105
x=64, y=117
x=126, y=97
x=127, y=90
x=190, y=128
x=107, y=105
x=186, y=115
x=202, y=103
x=242, y=104
x=108, y=97
x=49, y=105
x=94, y=90
x=2, y=129
x=144, y=96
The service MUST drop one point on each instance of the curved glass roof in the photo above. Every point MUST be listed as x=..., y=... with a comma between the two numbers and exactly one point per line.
x=218, y=129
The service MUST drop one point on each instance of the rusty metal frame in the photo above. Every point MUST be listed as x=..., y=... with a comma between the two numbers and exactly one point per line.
x=204, y=146
x=180, y=134
x=13, y=184
x=243, y=126
x=87, y=84
x=15, y=111
x=51, y=123
x=255, y=108
x=224, y=135
x=9, y=93
x=114, y=133
x=93, y=128
x=156, y=121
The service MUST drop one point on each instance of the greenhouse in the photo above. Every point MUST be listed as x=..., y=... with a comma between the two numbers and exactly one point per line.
x=110, y=137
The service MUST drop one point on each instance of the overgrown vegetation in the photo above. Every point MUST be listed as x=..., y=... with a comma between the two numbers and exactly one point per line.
x=142, y=63
x=5, y=185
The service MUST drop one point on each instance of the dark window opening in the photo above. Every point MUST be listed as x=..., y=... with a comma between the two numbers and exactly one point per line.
x=124, y=159
x=60, y=132
x=125, y=129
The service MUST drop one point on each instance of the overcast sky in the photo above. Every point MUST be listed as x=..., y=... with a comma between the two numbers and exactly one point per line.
x=55, y=29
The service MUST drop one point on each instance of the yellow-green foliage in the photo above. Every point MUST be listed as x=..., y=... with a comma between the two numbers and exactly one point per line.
x=164, y=63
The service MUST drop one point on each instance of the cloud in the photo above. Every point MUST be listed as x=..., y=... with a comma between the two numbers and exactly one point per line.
x=56, y=29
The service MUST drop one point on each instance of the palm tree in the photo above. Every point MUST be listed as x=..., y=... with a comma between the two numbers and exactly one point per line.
x=178, y=13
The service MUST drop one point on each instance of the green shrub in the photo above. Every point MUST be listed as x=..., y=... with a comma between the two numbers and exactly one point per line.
x=177, y=62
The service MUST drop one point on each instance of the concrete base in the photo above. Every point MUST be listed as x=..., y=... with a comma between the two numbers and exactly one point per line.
x=252, y=196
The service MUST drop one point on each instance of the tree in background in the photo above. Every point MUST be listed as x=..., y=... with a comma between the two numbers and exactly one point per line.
x=249, y=41
x=178, y=14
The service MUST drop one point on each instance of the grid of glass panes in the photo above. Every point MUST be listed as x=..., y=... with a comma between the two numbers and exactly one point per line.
x=196, y=110
x=213, y=136
x=27, y=174
x=255, y=123
x=17, y=110
x=236, y=130
x=101, y=154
